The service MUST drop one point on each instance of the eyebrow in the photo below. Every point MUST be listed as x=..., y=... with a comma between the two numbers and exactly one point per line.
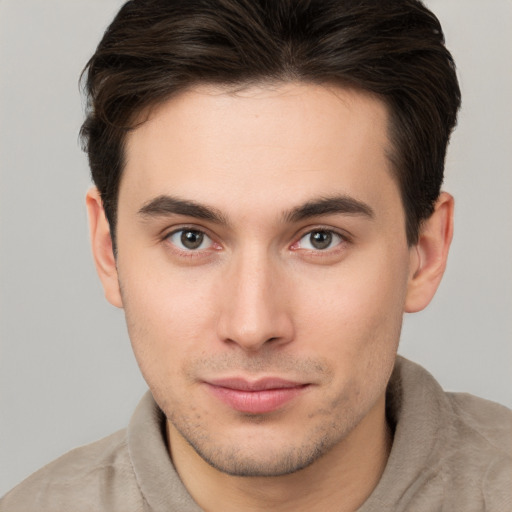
x=329, y=205
x=166, y=205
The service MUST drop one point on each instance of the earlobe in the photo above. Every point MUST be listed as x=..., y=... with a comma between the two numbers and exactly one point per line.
x=429, y=256
x=102, y=249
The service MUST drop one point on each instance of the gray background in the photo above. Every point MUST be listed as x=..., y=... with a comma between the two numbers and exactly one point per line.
x=67, y=374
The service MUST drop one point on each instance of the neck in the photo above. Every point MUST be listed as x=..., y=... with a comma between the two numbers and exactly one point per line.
x=340, y=480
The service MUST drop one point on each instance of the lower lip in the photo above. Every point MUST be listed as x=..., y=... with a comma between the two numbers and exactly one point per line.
x=256, y=402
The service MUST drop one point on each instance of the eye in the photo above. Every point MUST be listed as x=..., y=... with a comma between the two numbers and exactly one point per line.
x=319, y=240
x=190, y=240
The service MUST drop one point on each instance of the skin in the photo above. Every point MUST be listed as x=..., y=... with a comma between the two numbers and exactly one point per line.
x=259, y=297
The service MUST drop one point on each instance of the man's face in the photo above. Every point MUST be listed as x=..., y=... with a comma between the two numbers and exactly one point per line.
x=263, y=268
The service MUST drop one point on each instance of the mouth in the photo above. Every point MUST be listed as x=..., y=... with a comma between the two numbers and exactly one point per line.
x=256, y=397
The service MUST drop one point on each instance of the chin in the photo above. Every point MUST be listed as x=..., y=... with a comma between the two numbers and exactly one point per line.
x=267, y=462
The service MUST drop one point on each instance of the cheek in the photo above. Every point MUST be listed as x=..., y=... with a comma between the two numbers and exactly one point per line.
x=354, y=323
x=168, y=318
x=359, y=305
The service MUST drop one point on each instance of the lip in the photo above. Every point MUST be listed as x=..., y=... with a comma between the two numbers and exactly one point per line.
x=256, y=397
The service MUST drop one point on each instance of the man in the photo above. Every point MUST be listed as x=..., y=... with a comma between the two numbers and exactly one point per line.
x=267, y=206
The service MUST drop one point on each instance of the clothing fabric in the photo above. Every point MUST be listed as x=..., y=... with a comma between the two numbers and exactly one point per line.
x=451, y=452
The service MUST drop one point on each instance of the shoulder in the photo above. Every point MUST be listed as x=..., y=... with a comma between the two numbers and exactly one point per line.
x=98, y=476
x=464, y=420
x=473, y=435
x=483, y=432
x=489, y=423
x=452, y=451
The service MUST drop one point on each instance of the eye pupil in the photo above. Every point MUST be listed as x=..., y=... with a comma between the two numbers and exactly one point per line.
x=321, y=239
x=192, y=239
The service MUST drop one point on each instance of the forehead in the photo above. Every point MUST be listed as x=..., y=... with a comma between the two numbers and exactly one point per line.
x=265, y=144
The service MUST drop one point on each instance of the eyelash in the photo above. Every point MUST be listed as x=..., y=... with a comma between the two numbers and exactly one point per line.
x=193, y=253
x=190, y=253
x=343, y=241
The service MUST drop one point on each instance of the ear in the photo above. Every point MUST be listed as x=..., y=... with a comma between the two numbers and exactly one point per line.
x=102, y=250
x=429, y=256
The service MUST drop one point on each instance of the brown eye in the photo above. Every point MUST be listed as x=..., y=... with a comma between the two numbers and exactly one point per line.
x=190, y=239
x=320, y=240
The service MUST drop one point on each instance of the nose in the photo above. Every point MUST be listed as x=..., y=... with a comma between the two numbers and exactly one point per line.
x=255, y=304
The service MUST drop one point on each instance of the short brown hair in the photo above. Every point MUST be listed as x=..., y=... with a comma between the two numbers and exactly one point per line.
x=393, y=48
